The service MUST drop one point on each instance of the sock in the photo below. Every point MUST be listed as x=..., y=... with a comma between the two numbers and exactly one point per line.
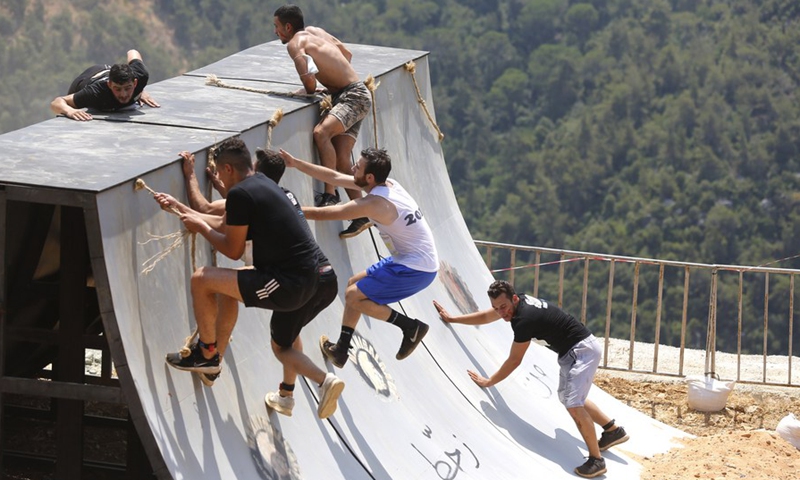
x=607, y=426
x=402, y=321
x=286, y=387
x=344, y=338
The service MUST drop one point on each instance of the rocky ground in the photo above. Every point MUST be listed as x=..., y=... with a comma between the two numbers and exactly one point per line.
x=738, y=442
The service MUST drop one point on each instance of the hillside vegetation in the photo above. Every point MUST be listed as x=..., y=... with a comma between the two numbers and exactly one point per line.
x=655, y=128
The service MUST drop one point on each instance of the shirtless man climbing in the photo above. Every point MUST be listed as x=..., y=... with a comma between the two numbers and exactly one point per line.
x=320, y=57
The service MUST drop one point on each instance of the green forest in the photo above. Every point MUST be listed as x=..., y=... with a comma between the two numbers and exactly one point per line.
x=650, y=128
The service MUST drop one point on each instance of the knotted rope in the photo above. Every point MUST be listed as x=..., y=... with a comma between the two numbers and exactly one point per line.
x=177, y=240
x=411, y=68
x=177, y=237
x=372, y=85
x=271, y=124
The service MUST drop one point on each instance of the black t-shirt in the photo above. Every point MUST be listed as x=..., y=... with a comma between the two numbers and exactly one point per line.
x=321, y=258
x=95, y=92
x=281, y=237
x=535, y=318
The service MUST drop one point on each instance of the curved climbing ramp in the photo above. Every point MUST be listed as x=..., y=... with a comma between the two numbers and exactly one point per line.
x=421, y=418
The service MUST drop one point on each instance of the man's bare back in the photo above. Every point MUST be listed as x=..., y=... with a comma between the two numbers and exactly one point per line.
x=330, y=56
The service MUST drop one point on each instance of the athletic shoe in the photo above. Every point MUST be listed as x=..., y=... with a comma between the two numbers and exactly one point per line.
x=282, y=405
x=329, y=393
x=332, y=352
x=195, y=362
x=325, y=199
x=208, y=379
x=411, y=340
x=356, y=226
x=592, y=468
x=614, y=437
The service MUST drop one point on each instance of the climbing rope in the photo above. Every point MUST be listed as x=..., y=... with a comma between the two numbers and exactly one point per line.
x=216, y=82
x=372, y=85
x=411, y=68
x=271, y=124
x=177, y=238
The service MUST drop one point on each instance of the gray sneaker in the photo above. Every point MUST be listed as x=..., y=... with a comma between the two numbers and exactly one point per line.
x=282, y=405
x=592, y=468
x=329, y=393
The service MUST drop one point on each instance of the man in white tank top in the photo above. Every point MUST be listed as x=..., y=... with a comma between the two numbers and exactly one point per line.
x=412, y=265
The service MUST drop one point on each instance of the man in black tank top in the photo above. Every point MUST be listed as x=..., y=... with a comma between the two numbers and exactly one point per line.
x=106, y=88
x=578, y=356
x=291, y=275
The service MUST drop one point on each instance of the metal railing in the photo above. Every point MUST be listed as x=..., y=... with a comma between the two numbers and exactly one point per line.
x=703, y=295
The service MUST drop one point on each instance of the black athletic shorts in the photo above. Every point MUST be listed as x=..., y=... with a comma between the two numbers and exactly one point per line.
x=286, y=326
x=277, y=290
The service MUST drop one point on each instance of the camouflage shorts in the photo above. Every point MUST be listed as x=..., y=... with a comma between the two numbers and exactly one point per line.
x=350, y=106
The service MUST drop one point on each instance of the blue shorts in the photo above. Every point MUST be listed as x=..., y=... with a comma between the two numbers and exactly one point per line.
x=388, y=282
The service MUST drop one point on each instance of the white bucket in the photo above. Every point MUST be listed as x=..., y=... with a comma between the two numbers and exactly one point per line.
x=789, y=429
x=707, y=394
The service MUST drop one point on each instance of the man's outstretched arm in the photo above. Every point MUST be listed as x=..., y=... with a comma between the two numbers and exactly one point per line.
x=480, y=317
x=66, y=106
x=319, y=172
x=514, y=359
x=196, y=198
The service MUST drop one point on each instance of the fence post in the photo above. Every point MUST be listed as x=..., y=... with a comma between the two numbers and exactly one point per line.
x=585, y=289
x=683, y=317
x=766, y=323
x=633, y=313
x=658, y=316
x=739, y=332
x=608, y=310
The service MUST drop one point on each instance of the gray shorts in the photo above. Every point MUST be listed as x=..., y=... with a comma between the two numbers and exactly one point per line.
x=350, y=106
x=578, y=367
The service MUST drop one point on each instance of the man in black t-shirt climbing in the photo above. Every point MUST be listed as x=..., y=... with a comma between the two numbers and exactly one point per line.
x=286, y=277
x=578, y=356
x=106, y=88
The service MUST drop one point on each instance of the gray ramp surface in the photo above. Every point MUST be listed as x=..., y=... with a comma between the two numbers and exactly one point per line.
x=420, y=418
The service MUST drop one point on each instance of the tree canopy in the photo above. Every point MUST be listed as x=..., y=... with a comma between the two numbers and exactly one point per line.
x=662, y=128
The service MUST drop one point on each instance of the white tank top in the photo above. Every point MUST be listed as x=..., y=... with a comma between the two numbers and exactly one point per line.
x=408, y=238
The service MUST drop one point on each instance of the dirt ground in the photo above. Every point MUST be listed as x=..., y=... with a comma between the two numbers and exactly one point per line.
x=738, y=442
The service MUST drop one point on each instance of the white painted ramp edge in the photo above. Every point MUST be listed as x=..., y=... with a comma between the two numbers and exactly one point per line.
x=419, y=418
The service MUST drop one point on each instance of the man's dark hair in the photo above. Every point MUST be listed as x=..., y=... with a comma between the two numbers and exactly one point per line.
x=500, y=287
x=234, y=152
x=121, y=74
x=270, y=163
x=292, y=15
x=377, y=163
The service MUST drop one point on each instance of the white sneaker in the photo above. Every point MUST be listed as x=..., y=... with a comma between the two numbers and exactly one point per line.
x=282, y=405
x=329, y=393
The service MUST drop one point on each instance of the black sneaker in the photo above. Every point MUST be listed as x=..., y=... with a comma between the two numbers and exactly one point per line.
x=614, y=437
x=592, y=468
x=325, y=199
x=195, y=362
x=411, y=339
x=331, y=351
x=208, y=379
x=356, y=226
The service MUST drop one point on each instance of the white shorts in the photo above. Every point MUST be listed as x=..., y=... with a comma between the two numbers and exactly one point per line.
x=578, y=367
